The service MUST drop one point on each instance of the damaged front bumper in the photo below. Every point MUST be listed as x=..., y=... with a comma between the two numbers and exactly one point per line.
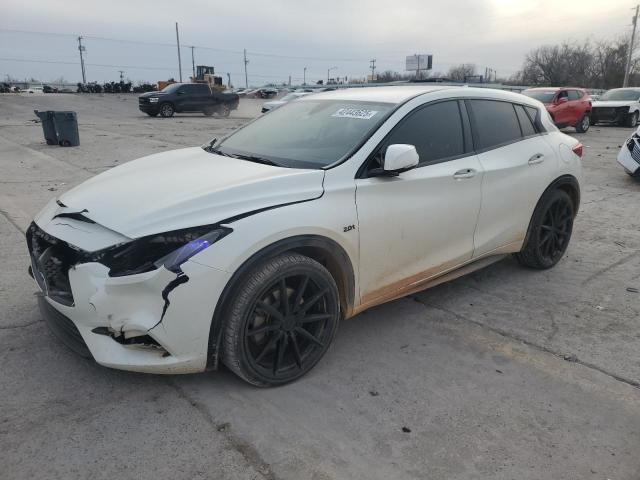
x=629, y=155
x=157, y=321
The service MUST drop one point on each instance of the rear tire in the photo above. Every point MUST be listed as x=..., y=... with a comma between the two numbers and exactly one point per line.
x=166, y=110
x=583, y=124
x=268, y=342
x=549, y=232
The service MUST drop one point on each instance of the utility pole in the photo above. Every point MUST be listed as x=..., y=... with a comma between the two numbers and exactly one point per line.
x=373, y=69
x=289, y=80
x=228, y=80
x=82, y=49
x=246, y=78
x=630, y=52
x=121, y=75
x=179, y=60
x=193, y=64
x=328, y=71
x=304, y=76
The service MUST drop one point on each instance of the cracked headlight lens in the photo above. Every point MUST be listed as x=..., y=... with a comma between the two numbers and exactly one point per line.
x=170, y=249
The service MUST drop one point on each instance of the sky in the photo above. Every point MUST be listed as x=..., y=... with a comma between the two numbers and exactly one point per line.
x=38, y=38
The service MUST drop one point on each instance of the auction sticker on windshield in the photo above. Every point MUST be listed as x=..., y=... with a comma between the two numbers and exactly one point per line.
x=355, y=113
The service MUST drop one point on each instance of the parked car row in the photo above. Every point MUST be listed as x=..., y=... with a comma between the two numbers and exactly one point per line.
x=574, y=107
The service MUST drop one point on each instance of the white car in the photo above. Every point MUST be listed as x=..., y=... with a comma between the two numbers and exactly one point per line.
x=252, y=249
x=273, y=104
x=629, y=156
x=620, y=106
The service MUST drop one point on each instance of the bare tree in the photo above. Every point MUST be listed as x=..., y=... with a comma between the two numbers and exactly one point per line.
x=599, y=65
x=460, y=73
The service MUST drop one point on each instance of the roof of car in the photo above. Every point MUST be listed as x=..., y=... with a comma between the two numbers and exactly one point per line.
x=386, y=94
x=553, y=89
x=400, y=94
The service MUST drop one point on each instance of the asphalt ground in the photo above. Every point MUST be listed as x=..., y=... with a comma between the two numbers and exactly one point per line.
x=507, y=373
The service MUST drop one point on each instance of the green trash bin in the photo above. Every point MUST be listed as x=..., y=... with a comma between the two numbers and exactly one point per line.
x=48, y=127
x=66, y=124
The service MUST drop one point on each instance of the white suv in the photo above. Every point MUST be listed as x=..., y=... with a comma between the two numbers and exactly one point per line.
x=252, y=249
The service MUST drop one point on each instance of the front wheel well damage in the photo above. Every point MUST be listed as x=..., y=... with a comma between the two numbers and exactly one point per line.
x=323, y=250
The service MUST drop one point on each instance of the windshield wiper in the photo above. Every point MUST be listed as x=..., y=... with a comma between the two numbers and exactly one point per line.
x=253, y=158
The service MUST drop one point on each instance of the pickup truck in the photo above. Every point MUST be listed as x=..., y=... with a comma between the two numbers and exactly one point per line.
x=187, y=97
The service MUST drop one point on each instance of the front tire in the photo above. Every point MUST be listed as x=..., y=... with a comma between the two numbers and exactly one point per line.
x=268, y=341
x=550, y=231
x=632, y=120
x=583, y=124
x=167, y=110
x=224, y=110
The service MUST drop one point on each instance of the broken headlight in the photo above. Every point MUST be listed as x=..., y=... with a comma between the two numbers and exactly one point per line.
x=170, y=249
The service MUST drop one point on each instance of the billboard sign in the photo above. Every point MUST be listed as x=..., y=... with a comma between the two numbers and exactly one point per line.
x=419, y=62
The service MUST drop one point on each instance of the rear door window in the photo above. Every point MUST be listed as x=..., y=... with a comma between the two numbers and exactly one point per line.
x=495, y=123
x=574, y=95
x=526, y=124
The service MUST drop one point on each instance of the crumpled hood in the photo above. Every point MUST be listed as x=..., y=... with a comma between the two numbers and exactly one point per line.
x=185, y=188
x=612, y=103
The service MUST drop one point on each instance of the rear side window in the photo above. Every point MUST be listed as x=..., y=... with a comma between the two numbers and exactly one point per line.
x=495, y=123
x=525, y=122
x=435, y=131
x=575, y=95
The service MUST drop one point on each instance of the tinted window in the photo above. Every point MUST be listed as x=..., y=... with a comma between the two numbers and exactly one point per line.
x=533, y=114
x=575, y=95
x=435, y=131
x=525, y=122
x=495, y=123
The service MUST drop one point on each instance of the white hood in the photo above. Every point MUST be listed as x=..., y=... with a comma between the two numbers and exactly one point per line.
x=613, y=103
x=185, y=188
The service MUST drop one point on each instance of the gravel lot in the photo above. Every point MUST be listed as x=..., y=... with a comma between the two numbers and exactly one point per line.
x=507, y=373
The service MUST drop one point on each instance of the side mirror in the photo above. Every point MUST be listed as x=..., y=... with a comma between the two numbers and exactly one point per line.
x=399, y=158
x=562, y=100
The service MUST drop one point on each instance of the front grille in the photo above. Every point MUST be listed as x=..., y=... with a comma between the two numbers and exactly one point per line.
x=634, y=147
x=51, y=260
x=610, y=113
x=142, y=101
x=63, y=328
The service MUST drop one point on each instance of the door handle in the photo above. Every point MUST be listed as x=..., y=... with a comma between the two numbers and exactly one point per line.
x=537, y=158
x=464, y=173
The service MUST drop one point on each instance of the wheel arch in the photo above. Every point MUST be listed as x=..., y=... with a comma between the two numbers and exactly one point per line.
x=324, y=250
x=567, y=183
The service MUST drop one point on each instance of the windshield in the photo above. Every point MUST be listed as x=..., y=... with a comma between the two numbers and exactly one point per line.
x=621, y=94
x=306, y=134
x=544, y=96
x=171, y=88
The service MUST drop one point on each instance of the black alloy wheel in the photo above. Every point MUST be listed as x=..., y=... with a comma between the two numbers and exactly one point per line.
x=550, y=231
x=282, y=321
x=555, y=231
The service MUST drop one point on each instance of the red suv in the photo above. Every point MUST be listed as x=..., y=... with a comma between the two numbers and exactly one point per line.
x=568, y=107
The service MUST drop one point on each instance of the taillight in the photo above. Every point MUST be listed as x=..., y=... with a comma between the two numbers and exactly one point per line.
x=578, y=150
